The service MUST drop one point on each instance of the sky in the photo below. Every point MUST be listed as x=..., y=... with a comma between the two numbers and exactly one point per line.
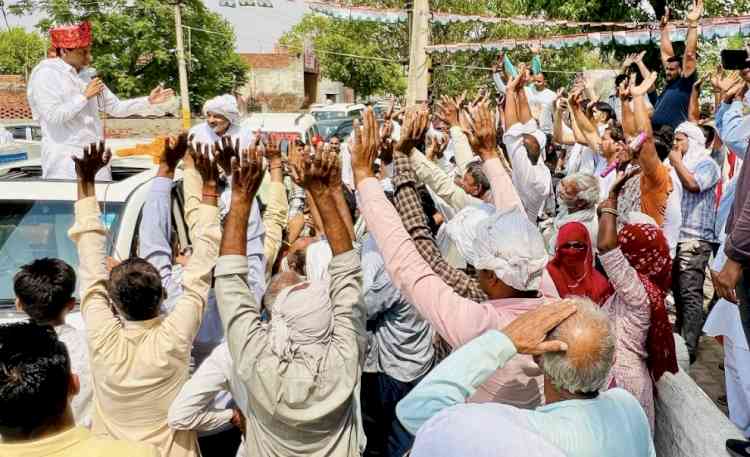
x=257, y=28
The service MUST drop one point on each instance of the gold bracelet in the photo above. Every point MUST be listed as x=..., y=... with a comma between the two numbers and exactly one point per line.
x=610, y=211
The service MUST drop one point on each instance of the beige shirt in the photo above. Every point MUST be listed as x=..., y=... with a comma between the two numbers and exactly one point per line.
x=274, y=219
x=77, y=442
x=138, y=368
x=284, y=419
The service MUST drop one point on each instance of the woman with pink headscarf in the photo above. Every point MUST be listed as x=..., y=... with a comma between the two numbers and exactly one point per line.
x=639, y=267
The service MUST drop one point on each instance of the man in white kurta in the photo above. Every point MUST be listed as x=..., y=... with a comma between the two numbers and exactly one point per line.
x=66, y=98
x=222, y=119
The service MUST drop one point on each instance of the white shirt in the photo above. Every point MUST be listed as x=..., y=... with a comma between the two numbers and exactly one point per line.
x=673, y=213
x=204, y=134
x=5, y=136
x=203, y=402
x=75, y=342
x=541, y=104
x=533, y=182
x=68, y=119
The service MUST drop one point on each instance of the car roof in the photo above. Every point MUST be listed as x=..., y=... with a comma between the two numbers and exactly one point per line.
x=338, y=107
x=22, y=181
x=279, y=122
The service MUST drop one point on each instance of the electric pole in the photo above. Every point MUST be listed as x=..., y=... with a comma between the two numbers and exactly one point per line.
x=184, y=95
x=419, y=63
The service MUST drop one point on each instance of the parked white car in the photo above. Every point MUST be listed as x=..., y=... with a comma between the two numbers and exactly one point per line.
x=284, y=126
x=36, y=214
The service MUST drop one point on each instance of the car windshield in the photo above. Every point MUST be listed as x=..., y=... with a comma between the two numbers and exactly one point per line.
x=34, y=229
x=329, y=115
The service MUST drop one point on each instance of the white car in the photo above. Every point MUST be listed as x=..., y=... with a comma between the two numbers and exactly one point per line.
x=36, y=214
x=284, y=126
x=336, y=111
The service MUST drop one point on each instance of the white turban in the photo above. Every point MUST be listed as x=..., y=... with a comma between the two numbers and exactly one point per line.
x=696, y=144
x=504, y=242
x=223, y=105
x=300, y=330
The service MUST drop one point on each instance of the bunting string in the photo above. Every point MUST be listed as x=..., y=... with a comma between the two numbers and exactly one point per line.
x=709, y=29
x=398, y=15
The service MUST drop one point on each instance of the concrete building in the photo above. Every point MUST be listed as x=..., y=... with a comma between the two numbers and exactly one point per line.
x=288, y=81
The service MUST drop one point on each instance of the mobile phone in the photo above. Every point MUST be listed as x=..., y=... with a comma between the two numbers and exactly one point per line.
x=734, y=59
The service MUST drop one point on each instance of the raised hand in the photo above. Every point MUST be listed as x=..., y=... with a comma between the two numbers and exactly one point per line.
x=94, y=88
x=175, y=149
x=481, y=131
x=435, y=147
x=95, y=157
x=695, y=12
x=160, y=95
x=664, y=19
x=629, y=60
x=639, y=57
x=247, y=174
x=416, y=123
x=364, y=146
x=225, y=150
x=528, y=331
x=448, y=110
x=642, y=88
x=206, y=165
x=736, y=91
x=296, y=156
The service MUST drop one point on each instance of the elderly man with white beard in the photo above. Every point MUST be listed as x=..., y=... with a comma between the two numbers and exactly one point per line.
x=578, y=195
x=222, y=120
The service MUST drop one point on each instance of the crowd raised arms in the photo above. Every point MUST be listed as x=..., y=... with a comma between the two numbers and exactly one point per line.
x=460, y=277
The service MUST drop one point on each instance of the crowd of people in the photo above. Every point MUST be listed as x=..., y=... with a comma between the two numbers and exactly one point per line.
x=486, y=277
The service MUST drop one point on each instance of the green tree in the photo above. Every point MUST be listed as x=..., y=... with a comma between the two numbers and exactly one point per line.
x=332, y=39
x=20, y=51
x=134, y=44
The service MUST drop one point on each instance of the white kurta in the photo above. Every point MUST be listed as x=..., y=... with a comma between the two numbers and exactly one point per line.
x=68, y=119
x=205, y=134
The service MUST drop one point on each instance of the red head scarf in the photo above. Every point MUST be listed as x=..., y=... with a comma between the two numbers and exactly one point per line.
x=572, y=269
x=646, y=249
x=71, y=36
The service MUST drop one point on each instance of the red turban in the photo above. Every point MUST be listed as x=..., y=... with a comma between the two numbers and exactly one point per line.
x=71, y=36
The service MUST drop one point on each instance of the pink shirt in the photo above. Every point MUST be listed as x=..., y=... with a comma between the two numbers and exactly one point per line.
x=458, y=320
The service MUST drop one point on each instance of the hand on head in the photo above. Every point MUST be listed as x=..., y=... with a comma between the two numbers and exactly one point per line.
x=529, y=331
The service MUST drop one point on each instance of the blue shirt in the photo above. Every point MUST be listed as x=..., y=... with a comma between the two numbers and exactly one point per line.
x=613, y=424
x=672, y=106
x=733, y=127
x=699, y=208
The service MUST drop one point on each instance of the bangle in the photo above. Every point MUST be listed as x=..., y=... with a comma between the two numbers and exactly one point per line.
x=206, y=194
x=611, y=211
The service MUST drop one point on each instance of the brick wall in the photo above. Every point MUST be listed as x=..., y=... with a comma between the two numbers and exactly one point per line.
x=13, y=103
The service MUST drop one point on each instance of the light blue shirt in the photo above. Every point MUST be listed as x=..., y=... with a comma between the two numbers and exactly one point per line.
x=733, y=127
x=613, y=424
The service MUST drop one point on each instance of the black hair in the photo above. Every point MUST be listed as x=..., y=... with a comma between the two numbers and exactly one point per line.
x=663, y=140
x=44, y=287
x=620, y=78
x=616, y=132
x=34, y=379
x=351, y=201
x=710, y=134
x=135, y=288
x=476, y=172
x=605, y=108
x=675, y=59
x=332, y=137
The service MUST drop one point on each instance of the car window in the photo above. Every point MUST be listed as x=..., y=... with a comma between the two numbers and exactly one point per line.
x=34, y=229
x=357, y=113
x=329, y=115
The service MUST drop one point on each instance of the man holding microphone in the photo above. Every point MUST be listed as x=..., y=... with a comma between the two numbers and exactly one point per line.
x=66, y=97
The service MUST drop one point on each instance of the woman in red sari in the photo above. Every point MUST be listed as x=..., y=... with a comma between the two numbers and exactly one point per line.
x=572, y=269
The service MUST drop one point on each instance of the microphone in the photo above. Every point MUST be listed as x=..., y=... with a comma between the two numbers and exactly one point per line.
x=91, y=74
